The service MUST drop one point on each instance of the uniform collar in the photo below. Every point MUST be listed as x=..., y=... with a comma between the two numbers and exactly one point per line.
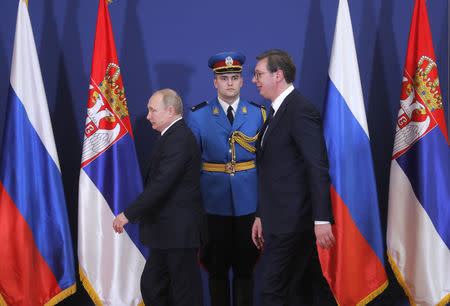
x=225, y=105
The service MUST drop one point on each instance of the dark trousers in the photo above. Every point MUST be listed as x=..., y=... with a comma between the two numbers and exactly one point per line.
x=292, y=274
x=171, y=277
x=229, y=245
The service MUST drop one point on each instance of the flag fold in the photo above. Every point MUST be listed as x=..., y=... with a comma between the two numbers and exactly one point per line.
x=36, y=255
x=354, y=267
x=418, y=235
x=110, y=264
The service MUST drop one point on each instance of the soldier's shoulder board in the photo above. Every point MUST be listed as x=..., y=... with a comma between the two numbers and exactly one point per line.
x=198, y=106
x=257, y=105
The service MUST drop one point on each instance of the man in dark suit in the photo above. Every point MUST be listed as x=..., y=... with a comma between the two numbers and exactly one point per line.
x=170, y=209
x=293, y=182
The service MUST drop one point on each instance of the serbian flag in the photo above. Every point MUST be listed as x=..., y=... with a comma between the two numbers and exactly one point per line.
x=354, y=267
x=110, y=264
x=36, y=255
x=418, y=233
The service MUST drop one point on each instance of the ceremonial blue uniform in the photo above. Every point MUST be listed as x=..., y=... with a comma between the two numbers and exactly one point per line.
x=228, y=181
x=229, y=196
x=225, y=194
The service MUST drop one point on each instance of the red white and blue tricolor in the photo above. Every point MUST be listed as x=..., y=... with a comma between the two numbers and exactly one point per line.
x=36, y=256
x=354, y=267
x=418, y=233
x=110, y=264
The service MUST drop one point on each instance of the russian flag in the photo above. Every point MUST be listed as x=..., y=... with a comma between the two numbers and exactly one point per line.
x=36, y=256
x=418, y=234
x=110, y=264
x=354, y=267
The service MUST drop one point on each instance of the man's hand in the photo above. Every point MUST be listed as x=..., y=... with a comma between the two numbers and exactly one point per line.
x=324, y=236
x=119, y=222
x=257, y=233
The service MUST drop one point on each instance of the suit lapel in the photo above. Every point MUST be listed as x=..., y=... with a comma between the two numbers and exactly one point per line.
x=275, y=120
x=260, y=136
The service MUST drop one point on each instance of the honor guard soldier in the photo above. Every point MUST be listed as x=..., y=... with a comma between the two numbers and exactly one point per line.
x=226, y=128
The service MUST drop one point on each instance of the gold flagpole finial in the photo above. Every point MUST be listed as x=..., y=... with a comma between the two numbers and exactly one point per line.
x=109, y=1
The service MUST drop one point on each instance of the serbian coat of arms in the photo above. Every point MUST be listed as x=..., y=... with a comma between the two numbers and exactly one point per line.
x=107, y=108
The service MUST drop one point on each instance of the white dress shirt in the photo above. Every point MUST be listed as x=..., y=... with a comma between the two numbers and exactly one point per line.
x=277, y=102
x=165, y=130
x=225, y=106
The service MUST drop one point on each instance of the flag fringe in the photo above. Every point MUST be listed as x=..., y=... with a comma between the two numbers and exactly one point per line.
x=2, y=301
x=62, y=295
x=400, y=279
x=53, y=301
x=373, y=294
x=89, y=289
x=402, y=283
x=444, y=301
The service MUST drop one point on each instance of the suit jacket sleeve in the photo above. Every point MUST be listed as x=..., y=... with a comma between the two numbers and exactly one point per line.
x=168, y=171
x=309, y=140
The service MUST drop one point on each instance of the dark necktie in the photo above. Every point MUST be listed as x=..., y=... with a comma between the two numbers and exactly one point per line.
x=266, y=124
x=269, y=117
x=230, y=114
x=271, y=112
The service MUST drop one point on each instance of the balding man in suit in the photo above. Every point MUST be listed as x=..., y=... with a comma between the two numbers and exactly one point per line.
x=170, y=209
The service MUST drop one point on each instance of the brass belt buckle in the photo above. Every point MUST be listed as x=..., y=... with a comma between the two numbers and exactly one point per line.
x=230, y=168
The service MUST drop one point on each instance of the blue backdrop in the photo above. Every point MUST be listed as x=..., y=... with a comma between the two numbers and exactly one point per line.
x=163, y=43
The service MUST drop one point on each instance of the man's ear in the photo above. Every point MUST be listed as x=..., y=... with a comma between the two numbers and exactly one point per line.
x=171, y=110
x=279, y=74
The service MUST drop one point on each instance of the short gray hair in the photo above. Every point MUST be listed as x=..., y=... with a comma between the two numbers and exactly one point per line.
x=171, y=98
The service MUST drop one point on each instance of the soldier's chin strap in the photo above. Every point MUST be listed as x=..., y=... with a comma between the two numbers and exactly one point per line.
x=244, y=140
